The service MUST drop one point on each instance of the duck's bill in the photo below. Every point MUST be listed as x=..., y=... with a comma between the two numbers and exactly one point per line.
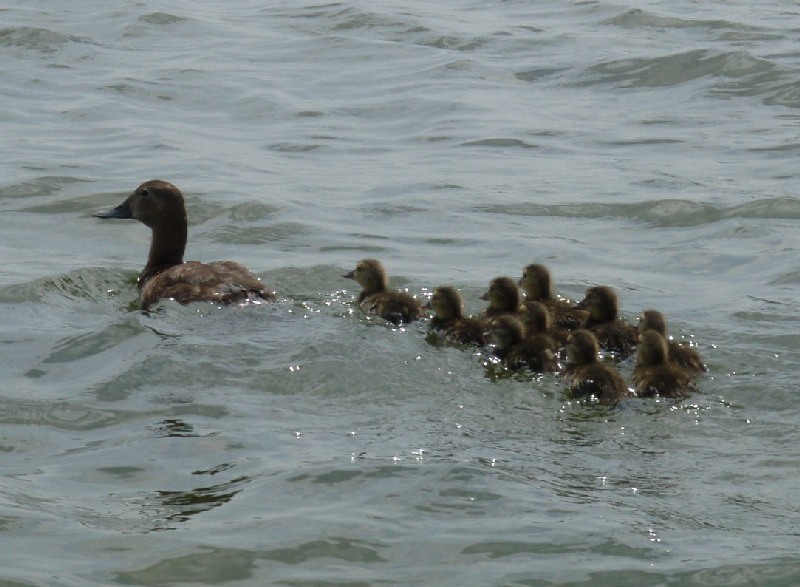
x=350, y=274
x=121, y=211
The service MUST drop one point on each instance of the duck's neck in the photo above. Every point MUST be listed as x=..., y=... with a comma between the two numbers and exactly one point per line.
x=166, y=249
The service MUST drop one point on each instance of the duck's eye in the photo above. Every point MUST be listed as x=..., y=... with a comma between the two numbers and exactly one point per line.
x=144, y=192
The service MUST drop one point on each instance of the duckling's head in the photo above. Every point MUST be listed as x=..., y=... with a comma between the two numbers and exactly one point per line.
x=507, y=331
x=601, y=303
x=154, y=203
x=537, y=282
x=503, y=294
x=652, y=349
x=369, y=274
x=582, y=348
x=446, y=303
x=653, y=320
x=536, y=317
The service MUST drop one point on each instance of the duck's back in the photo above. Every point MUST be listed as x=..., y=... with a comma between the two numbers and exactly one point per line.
x=464, y=330
x=596, y=379
x=686, y=357
x=536, y=352
x=665, y=380
x=395, y=306
x=224, y=282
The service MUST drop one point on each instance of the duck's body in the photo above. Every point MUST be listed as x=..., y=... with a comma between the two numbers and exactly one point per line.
x=159, y=205
x=537, y=321
x=684, y=356
x=449, y=319
x=375, y=298
x=503, y=298
x=653, y=374
x=612, y=333
x=537, y=283
x=586, y=375
x=536, y=352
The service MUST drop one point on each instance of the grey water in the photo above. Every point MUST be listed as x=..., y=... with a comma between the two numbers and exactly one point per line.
x=650, y=146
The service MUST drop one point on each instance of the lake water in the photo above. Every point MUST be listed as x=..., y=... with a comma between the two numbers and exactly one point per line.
x=651, y=146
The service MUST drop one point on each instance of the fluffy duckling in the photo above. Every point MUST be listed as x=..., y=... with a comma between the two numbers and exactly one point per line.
x=537, y=320
x=683, y=355
x=503, y=298
x=159, y=205
x=375, y=298
x=517, y=350
x=537, y=283
x=612, y=333
x=587, y=375
x=653, y=374
x=449, y=319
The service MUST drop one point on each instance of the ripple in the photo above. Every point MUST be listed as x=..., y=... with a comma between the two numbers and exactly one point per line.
x=636, y=18
x=679, y=68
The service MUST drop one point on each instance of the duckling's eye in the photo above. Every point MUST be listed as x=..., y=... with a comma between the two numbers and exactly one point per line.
x=144, y=192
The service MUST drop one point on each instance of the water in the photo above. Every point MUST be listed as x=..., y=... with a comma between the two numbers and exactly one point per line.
x=650, y=146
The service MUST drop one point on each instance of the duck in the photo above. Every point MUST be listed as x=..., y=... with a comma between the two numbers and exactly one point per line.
x=537, y=283
x=683, y=355
x=375, y=298
x=612, y=332
x=517, y=350
x=586, y=375
x=538, y=321
x=503, y=297
x=449, y=320
x=653, y=374
x=159, y=205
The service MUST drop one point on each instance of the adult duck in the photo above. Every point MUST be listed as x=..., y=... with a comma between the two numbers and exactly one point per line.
x=159, y=205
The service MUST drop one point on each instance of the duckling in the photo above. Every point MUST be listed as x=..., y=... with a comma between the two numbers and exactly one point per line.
x=503, y=298
x=537, y=283
x=449, y=320
x=375, y=298
x=683, y=355
x=587, y=375
x=159, y=205
x=517, y=350
x=537, y=320
x=612, y=332
x=653, y=374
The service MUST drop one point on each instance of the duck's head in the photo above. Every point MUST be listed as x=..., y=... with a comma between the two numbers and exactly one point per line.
x=507, y=331
x=537, y=282
x=652, y=349
x=503, y=294
x=601, y=303
x=369, y=274
x=653, y=320
x=153, y=203
x=446, y=303
x=582, y=348
x=536, y=317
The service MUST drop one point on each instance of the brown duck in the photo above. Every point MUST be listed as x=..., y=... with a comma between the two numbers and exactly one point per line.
x=683, y=355
x=375, y=298
x=503, y=297
x=537, y=283
x=612, y=333
x=586, y=375
x=653, y=374
x=536, y=352
x=449, y=319
x=159, y=205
